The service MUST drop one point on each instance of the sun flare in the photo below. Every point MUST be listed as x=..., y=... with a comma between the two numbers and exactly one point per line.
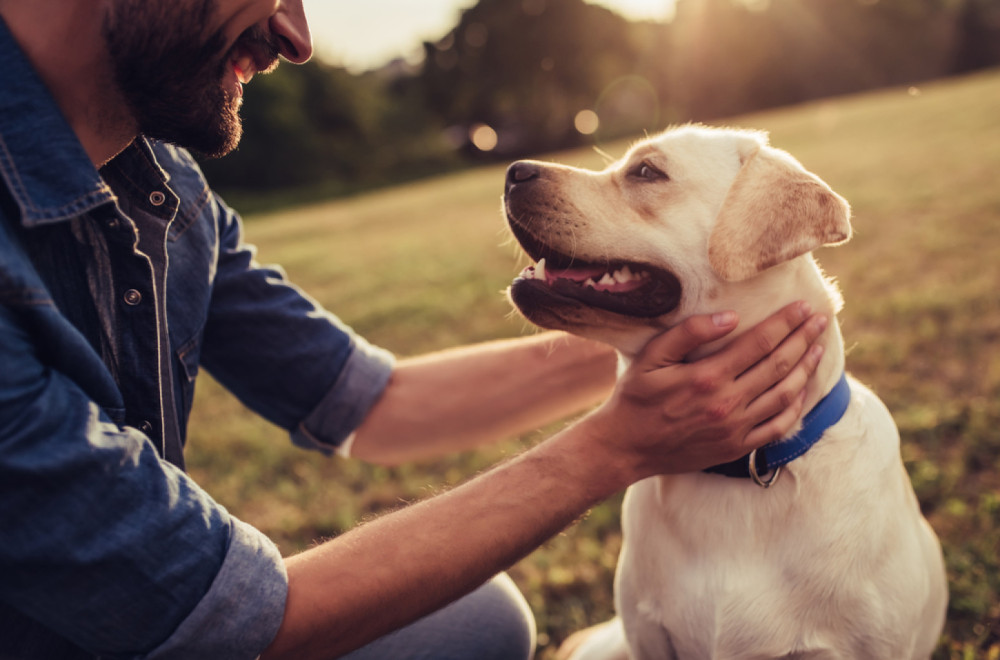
x=640, y=9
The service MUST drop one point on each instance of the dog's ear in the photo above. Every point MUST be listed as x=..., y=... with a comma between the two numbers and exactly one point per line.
x=774, y=211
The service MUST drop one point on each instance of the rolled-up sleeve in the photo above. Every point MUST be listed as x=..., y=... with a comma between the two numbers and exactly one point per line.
x=240, y=614
x=111, y=548
x=359, y=385
x=282, y=354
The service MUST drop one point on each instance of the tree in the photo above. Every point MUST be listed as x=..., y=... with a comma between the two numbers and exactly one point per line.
x=319, y=126
x=526, y=68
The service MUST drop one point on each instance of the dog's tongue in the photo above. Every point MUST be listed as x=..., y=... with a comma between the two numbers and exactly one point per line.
x=575, y=274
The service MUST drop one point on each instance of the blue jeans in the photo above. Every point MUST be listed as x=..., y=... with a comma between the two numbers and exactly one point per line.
x=492, y=623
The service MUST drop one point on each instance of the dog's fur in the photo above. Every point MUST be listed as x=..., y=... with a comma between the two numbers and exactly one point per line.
x=835, y=560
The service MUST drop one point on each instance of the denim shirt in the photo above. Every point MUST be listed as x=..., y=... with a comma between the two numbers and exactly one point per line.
x=116, y=287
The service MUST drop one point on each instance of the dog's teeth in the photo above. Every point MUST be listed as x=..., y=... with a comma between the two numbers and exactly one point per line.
x=540, y=270
x=591, y=283
x=607, y=280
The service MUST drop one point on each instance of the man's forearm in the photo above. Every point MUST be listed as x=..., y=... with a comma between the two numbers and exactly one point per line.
x=461, y=398
x=404, y=565
x=665, y=416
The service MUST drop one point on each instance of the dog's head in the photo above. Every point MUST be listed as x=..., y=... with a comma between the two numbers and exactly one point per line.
x=685, y=223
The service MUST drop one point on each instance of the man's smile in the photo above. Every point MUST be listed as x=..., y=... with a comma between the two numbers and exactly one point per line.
x=254, y=52
x=243, y=66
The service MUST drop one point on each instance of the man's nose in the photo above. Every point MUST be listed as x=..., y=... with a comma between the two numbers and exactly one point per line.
x=290, y=26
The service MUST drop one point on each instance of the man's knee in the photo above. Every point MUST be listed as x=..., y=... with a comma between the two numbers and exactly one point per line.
x=494, y=622
x=507, y=620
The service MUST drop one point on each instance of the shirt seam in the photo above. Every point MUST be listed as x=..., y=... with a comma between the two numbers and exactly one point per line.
x=13, y=178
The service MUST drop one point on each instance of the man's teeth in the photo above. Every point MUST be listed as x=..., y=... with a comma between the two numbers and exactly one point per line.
x=243, y=66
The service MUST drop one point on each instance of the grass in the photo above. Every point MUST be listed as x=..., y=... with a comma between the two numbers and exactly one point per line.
x=421, y=266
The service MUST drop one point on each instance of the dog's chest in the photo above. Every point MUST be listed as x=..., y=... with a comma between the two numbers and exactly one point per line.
x=719, y=565
x=716, y=575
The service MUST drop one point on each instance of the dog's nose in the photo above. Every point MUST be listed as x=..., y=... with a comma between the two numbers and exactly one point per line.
x=522, y=171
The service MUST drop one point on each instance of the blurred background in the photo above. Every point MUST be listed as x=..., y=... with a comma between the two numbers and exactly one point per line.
x=402, y=89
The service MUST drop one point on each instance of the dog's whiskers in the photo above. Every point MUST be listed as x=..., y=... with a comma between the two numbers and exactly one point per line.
x=608, y=158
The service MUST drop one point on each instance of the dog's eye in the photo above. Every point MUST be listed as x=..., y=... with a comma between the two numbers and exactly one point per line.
x=647, y=172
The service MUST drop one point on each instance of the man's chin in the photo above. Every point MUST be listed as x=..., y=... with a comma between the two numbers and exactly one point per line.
x=223, y=144
x=217, y=152
x=212, y=138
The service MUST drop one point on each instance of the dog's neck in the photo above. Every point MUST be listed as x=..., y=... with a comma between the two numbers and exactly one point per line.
x=799, y=279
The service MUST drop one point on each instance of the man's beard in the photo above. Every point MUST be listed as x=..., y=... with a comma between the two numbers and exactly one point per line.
x=171, y=78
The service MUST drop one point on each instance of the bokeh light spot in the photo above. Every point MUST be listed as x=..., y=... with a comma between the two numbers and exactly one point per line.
x=483, y=137
x=476, y=35
x=587, y=122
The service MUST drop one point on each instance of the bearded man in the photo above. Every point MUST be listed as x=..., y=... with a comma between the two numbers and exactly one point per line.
x=122, y=275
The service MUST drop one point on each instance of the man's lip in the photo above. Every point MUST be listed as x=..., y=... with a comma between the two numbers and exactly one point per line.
x=254, y=52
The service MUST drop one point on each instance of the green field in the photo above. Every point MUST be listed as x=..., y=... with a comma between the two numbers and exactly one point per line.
x=422, y=266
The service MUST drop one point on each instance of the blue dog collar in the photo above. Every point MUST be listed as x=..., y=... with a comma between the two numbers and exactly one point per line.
x=772, y=457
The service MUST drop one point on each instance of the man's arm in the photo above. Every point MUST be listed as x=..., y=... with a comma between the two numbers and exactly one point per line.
x=105, y=544
x=461, y=398
x=665, y=416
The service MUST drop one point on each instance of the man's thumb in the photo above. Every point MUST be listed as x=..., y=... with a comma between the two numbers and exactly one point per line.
x=676, y=344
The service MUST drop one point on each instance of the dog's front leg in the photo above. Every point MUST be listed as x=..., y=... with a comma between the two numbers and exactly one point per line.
x=651, y=642
x=646, y=637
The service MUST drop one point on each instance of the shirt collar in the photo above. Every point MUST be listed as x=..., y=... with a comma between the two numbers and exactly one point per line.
x=42, y=162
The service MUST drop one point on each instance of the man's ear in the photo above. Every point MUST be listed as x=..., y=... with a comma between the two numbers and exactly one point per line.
x=774, y=211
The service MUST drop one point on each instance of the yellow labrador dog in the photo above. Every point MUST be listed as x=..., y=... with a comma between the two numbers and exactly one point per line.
x=813, y=547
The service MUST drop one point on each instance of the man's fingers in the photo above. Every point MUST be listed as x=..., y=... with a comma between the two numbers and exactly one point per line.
x=776, y=427
x=794, y=352
x=676, y=344
x=785, y=393
x=755, y=344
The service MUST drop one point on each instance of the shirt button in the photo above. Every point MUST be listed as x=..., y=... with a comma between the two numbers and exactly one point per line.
x=156, y=198
x=132, y=297
x=146, y=428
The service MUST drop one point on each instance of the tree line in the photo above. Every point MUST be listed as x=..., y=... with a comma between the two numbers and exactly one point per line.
x=520, y=77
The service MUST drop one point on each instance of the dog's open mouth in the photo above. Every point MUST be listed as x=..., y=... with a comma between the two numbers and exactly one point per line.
x=622, y=287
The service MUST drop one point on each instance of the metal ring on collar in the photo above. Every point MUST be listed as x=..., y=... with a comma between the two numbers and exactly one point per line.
x=775, y=473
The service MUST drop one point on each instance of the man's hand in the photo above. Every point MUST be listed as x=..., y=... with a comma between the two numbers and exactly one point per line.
x=679, y=416
x=665, y=415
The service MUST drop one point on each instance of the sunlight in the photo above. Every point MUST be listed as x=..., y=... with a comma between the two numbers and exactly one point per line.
x=640, y=9
x=357, y=34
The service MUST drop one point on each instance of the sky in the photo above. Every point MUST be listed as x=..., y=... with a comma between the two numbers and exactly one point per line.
x=361, y=34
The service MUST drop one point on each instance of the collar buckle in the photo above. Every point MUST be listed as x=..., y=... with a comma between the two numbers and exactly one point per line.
x=757, y=479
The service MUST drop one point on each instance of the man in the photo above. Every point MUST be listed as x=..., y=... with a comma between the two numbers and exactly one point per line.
x=121, y=274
